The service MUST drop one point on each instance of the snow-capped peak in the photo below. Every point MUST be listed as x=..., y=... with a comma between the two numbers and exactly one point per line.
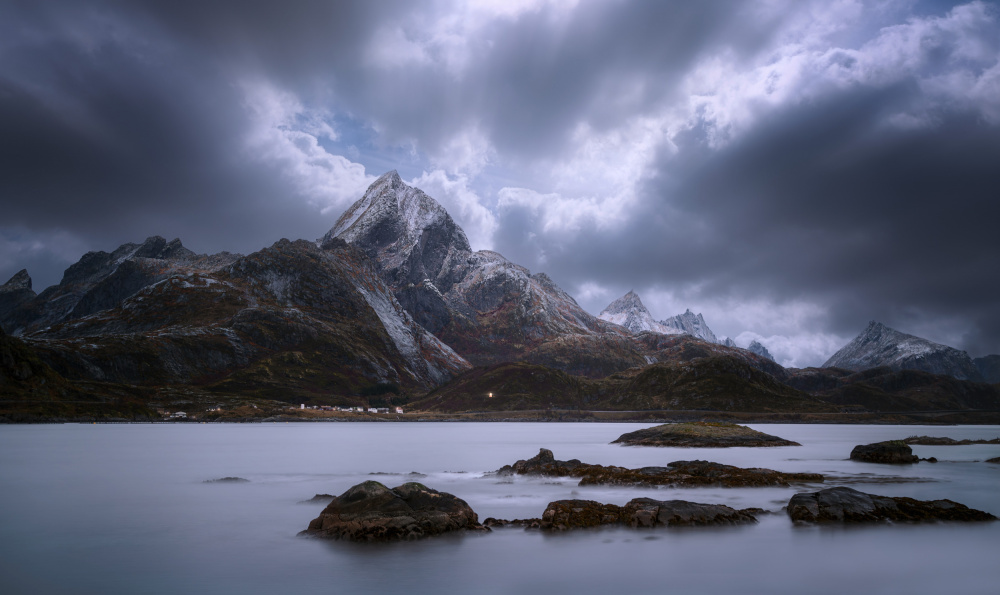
x=879, y=345
x=690, y=323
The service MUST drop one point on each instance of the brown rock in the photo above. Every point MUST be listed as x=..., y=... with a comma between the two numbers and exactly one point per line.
x=893, y=452
x=563, y=515
x=846, y=505
x=676, y=474
x=372, y=512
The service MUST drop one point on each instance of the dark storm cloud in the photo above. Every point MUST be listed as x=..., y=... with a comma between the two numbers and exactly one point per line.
x=113, y=130
x=120, y=120
x=124, y=119
x=531, y=78
x=823, y=201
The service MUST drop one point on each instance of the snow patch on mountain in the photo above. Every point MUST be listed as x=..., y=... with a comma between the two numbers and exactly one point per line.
x=691, y=324
x=879, y=345
x=628, y=311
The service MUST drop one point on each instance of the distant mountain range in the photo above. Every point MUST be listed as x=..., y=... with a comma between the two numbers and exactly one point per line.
x=392, y=301
x=880, y=346
x=628, y=311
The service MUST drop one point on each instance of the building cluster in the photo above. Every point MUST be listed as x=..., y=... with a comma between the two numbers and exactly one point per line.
x=350, y=409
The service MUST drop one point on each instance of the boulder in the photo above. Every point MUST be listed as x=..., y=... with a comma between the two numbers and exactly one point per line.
x=847, y=505
x=895, y=452
x=701, y=435
x=372, y=512
x=676, y=474
x=993, y=460
x=563, y=515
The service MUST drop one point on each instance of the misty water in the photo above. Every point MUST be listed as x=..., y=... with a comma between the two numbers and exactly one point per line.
x=125, y=509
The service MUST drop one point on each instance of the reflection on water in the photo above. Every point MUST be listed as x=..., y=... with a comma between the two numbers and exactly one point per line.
x=123, y=509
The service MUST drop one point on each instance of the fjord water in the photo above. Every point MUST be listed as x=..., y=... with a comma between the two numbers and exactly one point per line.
x=125, y=509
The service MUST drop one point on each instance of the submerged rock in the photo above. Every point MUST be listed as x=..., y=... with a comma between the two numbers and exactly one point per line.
x=372, y=512
x=563, y=515
x=319, y=499
x=676, y=474
x=894, y=452
x=993, y=460
x=227, y=480
x=526, y=523
x=701, y=434
x=846, y=505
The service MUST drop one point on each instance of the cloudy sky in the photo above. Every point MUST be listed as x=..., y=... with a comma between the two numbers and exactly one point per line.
x=791, y=169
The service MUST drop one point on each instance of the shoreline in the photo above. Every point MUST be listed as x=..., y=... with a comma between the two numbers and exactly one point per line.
x=941, y=418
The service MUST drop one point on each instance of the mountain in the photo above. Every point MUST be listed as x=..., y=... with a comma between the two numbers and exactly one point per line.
x=488, y=309
x=756, y=347
x=293, y=321
x=16, y=292
x=629, y=312
x=691, y=324
x=713, y=382
x=100, y=280
x=881, y=346
x=886, y=390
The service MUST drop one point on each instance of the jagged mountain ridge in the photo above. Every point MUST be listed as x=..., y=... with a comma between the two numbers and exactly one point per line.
x=759, y=349
x=292, y=317
x=100, y=280
x=487, y=308
x=880, y=346
x=628, y=311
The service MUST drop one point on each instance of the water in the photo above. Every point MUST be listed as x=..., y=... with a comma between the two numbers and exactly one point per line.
x=124, y=509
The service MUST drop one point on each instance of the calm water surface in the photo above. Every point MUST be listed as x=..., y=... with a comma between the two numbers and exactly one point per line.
x=124, y=509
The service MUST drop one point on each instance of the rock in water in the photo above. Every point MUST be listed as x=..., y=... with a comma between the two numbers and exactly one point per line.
x=893, y=452
x=846, y=505
x=675, y=474
x=563, y=515
x=701, y=434
x=372, y=512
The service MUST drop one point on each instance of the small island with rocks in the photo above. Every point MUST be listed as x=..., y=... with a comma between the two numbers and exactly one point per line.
x=675, y=474
x=701, y=434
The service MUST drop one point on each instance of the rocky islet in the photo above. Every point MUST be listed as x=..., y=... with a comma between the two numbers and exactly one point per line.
x=892, y=452
x=701, y=435
x=675, y=474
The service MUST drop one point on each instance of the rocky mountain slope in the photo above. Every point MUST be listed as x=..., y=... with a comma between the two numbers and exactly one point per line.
x=487, y=308
x=691, y=324
x=290, y=321
x=884, y=389
x=756, y=347
x=880, y=346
